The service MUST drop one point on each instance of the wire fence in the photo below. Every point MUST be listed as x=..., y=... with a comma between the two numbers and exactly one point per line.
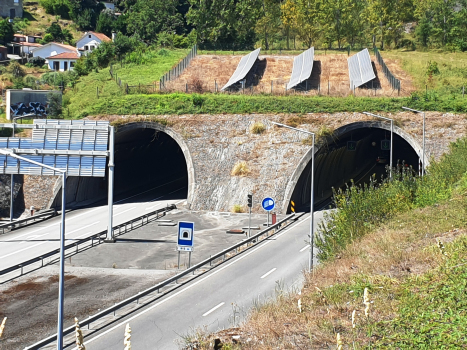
x=395, y=83
x=175, y=72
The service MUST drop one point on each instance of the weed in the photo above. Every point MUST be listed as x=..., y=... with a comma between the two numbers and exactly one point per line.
x=240, y=169
x=237, y=208
x=257, y=128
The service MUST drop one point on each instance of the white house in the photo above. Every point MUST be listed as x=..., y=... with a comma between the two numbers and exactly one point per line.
x=63, y=61
x=59, y=57
x=91, y=40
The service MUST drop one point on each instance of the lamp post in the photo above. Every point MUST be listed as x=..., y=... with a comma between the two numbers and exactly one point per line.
x=61, y=286
x=392, y=131
x=312, y=236
x=423, y=142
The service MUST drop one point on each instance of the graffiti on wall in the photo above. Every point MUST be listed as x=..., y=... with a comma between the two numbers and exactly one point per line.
x=36, y=108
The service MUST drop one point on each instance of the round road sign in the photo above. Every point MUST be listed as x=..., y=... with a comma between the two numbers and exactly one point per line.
x=268, y=204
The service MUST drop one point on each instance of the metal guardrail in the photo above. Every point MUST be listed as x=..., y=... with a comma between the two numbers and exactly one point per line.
x=26, y=221
x=157, y=287
x=88, y=242
x=395, y=83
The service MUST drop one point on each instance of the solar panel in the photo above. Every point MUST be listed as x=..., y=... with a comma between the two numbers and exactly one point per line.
x=302, y=67
x=244, y=66
x=81, y=152
x=360, y=69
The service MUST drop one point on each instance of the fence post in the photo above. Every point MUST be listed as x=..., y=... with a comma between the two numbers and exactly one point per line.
x=329, y=86
x=463, y=91
x=271, y=86
x=97, y=91
x=186, y=87
x=127, y=90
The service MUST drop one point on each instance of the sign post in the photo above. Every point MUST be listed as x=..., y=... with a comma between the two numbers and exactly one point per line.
x=250, y=204
x=268, y=204
x=186, y=232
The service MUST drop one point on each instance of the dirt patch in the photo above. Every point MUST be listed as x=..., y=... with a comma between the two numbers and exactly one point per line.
x=329, y=77
x=31, y=304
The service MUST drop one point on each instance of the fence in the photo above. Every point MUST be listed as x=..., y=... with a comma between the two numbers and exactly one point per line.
x=217, y=258
x=175, y=72
x=395, y=83
x=82, y=244
x=24, y=222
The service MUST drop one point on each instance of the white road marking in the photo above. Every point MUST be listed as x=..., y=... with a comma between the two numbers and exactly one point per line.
x=36, y=245
x=305, y=248
x=268, y=273
x=194, y=283
x=213, y=309
x=124, y=211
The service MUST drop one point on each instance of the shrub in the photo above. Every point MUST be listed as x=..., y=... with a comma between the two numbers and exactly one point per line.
x=240, y=169
x=197, y=100
x=15, y=69
x=257, y=128
x=36, y=61
x=237, y=208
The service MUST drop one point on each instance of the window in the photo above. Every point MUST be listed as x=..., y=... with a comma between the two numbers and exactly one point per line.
x=91, y=47
x=89, y=36
x=72, y=64
x=16, y=1
x=56, y=65
x=65, y=66
x=85, y=47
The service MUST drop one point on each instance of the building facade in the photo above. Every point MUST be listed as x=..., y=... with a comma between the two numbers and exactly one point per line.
x=11, y=8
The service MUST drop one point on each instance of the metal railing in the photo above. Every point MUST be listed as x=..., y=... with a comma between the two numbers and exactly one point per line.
x=175, y=72
x=84, y=243
x=221, y=255
x=395, y=83
x=9, y=226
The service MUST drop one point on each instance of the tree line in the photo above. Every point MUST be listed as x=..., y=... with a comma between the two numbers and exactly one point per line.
x=286, y=24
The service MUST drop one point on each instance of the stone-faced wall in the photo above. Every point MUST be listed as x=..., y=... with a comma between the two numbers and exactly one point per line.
x=213, y=144
x=5, y=193
x=217, y=142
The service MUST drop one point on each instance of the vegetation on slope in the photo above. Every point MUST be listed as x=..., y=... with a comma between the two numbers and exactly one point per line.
x=412, y=260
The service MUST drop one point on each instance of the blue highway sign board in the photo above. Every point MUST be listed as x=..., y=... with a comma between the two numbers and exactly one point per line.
x=186, y=232
x=268, y=204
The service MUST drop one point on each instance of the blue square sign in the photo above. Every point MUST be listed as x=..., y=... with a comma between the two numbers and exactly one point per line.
x=186, y=232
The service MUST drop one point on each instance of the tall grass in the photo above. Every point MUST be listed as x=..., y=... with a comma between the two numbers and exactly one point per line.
x=362, y=208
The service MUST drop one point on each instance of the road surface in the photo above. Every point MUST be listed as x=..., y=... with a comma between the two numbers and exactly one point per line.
x=218, y=299
x=33, y=241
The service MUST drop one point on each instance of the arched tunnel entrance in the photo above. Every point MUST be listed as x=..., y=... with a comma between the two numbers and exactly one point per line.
x=355, y=154
x=148, y=163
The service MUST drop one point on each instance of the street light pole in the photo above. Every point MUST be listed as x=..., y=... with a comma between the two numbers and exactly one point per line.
x=392, y=132
x=423, y=142
x=61, y=283
x=312, y=185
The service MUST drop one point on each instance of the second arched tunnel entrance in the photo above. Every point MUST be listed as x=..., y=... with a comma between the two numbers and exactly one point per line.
x=355, y=155
x=148, y=163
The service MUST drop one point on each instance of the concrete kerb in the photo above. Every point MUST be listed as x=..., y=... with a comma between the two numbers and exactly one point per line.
x=337, y=133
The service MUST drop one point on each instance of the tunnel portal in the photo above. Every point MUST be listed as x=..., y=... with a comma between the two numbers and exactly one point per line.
x=145, y=159
x=355, y=155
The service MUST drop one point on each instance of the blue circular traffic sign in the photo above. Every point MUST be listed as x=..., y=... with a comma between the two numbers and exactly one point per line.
x=268, y=204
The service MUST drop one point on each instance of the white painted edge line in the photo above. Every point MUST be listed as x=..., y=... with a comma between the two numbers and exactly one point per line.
x=305, y=248
x=213, y=309
x=268, y=273
x=294, y=225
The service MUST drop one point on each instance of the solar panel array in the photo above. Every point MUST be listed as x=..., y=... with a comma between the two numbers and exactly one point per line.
x=302, y=67
x=50, y=146
x=360, y=69
x=244, y=66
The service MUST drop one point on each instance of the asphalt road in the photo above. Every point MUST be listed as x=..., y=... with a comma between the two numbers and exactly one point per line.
x=218, y=299
x=33, y=241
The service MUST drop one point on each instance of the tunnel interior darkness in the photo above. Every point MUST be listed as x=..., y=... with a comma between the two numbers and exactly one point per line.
x=355, y=156
x=144, y=159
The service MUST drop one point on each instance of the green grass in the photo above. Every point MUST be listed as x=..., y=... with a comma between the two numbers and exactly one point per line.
x=83, y=100
x=452, y=68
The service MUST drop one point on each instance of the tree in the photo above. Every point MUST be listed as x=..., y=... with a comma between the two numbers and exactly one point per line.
x=85, y=13
x=6, y=31
x=147, y=18
x=105, y=22
x=55, y=33
x=289, y=18
x=308, y=15
x=225, y=23
x=269, y=21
